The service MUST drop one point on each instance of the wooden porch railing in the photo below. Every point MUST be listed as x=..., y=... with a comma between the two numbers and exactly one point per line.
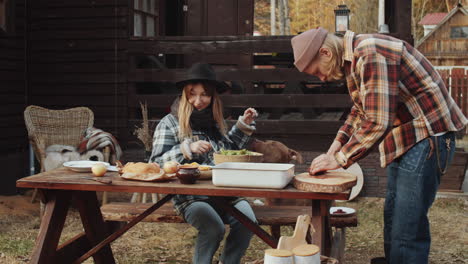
x=310, y=132
x=456, y=79
x=256, y=81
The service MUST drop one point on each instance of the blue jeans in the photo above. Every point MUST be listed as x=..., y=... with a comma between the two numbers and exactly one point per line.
x=209, y=221
x=412, y=184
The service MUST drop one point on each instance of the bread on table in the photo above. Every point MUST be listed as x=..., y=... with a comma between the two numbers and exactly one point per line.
x=142, y=171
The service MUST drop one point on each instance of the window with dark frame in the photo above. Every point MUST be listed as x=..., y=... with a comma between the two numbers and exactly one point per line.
x=459, y=32
x=7, y=17
x=145, y=18
x=3, y=14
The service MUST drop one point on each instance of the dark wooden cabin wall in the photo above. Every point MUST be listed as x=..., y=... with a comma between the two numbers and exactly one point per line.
x=78, y=58
x=13, y=136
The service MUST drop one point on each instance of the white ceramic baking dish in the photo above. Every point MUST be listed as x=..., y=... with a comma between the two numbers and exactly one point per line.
x=255, y=175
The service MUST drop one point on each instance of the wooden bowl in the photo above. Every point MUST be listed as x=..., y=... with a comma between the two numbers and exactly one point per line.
x=254, y=157
x=206, y=175
x=206, y=172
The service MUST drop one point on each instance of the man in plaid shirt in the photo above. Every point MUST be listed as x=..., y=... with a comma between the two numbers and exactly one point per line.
x=401, y=104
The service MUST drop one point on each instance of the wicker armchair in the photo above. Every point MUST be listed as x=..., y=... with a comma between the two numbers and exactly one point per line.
x=48, y=127
x=65, y=127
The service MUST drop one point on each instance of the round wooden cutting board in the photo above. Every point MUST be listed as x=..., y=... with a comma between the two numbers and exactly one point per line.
x=329, y=182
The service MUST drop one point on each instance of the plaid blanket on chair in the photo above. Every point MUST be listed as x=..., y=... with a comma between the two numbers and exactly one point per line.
x=97, y=139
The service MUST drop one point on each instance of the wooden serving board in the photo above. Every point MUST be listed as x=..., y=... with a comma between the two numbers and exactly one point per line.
x=329, y=182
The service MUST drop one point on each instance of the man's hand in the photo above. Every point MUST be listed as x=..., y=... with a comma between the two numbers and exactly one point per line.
x=323, y=163
x=334, y=148
x=200, y=146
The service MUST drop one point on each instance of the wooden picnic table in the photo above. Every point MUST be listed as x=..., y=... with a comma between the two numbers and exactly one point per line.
x=62, y=186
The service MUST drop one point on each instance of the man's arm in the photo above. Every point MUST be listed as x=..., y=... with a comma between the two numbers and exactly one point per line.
x=379, y=94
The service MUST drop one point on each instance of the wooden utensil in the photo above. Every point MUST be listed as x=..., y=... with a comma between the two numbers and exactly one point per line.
x=299, y=236
x=329, y=182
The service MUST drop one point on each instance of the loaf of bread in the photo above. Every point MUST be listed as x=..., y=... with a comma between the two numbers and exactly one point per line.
x=141, y=168
x=142, y=171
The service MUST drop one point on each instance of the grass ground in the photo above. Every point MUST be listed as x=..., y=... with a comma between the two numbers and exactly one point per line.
x=173, y=243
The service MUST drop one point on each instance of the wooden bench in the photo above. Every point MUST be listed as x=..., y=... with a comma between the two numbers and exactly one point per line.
x=274, y=216
x=270, y=215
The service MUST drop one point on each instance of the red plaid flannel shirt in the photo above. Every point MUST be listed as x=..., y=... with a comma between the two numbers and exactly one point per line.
x=399, y=99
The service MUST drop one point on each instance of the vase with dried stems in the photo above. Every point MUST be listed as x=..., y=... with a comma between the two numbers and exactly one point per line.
x=143, y=133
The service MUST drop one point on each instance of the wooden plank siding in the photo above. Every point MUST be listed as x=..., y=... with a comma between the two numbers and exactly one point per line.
x=307, y=134
x=265, y=75
x=13, y=139
x=256, y=100
x=78, y=58
x=210, y=44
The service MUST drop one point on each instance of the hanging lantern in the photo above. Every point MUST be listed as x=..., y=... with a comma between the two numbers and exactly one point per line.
x=342, y=19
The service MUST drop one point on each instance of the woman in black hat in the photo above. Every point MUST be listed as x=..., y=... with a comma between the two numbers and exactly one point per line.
x=192, y=132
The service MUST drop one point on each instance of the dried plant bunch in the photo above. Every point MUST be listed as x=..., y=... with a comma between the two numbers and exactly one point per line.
x=143, y=133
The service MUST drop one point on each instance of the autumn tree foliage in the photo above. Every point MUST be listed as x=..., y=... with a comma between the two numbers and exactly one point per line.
x=307, y=14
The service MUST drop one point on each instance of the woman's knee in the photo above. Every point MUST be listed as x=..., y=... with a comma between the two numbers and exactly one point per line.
x=215, y=232
x=205, y=219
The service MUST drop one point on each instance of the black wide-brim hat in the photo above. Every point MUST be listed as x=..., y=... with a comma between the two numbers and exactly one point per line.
x=204, y=73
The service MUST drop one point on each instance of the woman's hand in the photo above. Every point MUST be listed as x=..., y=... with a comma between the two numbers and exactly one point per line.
x=334, y=148
x=200, y=146
x=323, y=163
x=249, y=115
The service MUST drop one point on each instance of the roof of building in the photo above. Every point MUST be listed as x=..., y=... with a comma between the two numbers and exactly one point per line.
x=432, y=19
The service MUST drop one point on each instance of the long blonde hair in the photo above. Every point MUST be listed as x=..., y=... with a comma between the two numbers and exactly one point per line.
x=186, y=109
x=333, y=66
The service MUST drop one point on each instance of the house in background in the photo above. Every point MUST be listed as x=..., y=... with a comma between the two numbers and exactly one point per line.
x=446, y=44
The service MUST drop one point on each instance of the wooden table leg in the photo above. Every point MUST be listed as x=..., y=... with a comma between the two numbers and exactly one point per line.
x=109, y=239
x=252, y=226
x=320, y=221
x=93, y=224
x=51, y=227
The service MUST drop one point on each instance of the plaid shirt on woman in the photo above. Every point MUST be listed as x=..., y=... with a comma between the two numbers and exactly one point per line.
x=399, y=99
x=167, y=146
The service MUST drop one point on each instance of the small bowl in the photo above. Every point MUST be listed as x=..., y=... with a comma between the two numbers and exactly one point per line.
x=205, y=172
x=188, y=174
